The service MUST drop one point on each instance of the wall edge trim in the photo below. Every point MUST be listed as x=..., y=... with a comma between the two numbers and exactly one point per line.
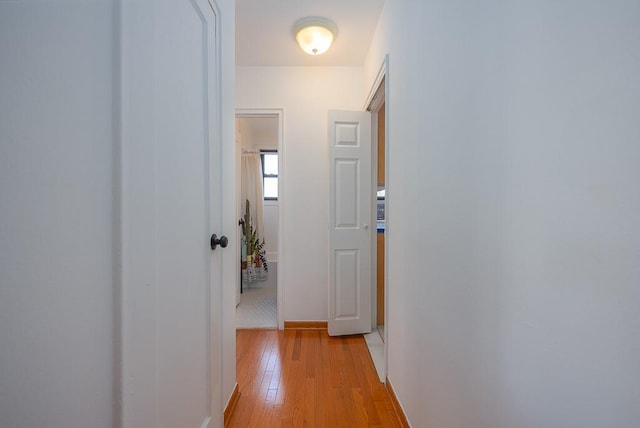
x=231, y=404
x=397, y=407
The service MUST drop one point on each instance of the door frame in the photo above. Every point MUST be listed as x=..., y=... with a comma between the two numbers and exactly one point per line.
x=279, y=114
x=377, y=96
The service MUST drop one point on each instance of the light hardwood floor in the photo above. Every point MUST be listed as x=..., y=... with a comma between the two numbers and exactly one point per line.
x=300, y=378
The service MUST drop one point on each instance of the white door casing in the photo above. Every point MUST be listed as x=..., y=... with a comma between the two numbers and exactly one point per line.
x=350, y=220
x=171, y=204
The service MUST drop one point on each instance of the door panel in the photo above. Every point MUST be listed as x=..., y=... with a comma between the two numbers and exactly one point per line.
x=347, y=266
x=346, y=202
x=171, y=200
x=349, y=222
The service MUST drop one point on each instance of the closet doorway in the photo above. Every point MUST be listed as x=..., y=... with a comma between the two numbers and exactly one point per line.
x=259, y=190
x=377, y=341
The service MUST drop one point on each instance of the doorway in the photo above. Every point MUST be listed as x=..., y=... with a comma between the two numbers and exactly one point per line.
x=377, y=340
x=259, y=160
x=380, y=219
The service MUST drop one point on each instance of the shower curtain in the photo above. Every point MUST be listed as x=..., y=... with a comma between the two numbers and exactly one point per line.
x=251, y=190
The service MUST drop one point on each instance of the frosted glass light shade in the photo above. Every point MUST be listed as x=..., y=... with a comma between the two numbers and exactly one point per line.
x=315, y=35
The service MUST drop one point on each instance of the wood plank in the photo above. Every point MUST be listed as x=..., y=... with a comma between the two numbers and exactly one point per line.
x=299, y=378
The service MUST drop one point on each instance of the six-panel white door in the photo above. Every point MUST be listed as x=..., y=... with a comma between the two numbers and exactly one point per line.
x=350, y=215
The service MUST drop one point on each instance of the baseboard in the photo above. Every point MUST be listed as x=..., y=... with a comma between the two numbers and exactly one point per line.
x=256, y=328
x=305, y=325
x=231, y=405
x=396, y=404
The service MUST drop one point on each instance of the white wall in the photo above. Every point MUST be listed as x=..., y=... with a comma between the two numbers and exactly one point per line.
x=513, y=235
x=56, y=210
x=305, y=94
x=270, y=214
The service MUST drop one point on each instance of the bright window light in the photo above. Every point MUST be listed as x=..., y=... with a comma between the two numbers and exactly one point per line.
x=269, y=175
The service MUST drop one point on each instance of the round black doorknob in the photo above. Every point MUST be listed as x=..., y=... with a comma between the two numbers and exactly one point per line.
x=215, y=241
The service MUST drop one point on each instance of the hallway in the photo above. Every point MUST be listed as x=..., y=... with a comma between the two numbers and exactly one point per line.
x=296, y=378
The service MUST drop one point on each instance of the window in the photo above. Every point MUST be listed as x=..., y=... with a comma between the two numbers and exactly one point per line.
x=269, y=174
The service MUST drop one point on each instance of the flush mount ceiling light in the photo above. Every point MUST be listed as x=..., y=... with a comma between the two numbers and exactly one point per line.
x=315, y=35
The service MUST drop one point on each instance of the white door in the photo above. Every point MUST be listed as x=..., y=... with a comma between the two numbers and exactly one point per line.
x=350, y=215
x=171, y=185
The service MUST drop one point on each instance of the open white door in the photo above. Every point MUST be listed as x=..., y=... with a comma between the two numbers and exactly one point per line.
x=171, y=186
x=350, y=216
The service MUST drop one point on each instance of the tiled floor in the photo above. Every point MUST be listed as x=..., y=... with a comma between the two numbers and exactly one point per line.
x=258, y=305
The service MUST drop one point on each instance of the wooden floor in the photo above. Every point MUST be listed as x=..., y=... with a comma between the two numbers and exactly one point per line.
x=300, y=378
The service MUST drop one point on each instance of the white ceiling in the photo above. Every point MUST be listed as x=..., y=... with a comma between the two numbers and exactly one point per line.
x=264, y=34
